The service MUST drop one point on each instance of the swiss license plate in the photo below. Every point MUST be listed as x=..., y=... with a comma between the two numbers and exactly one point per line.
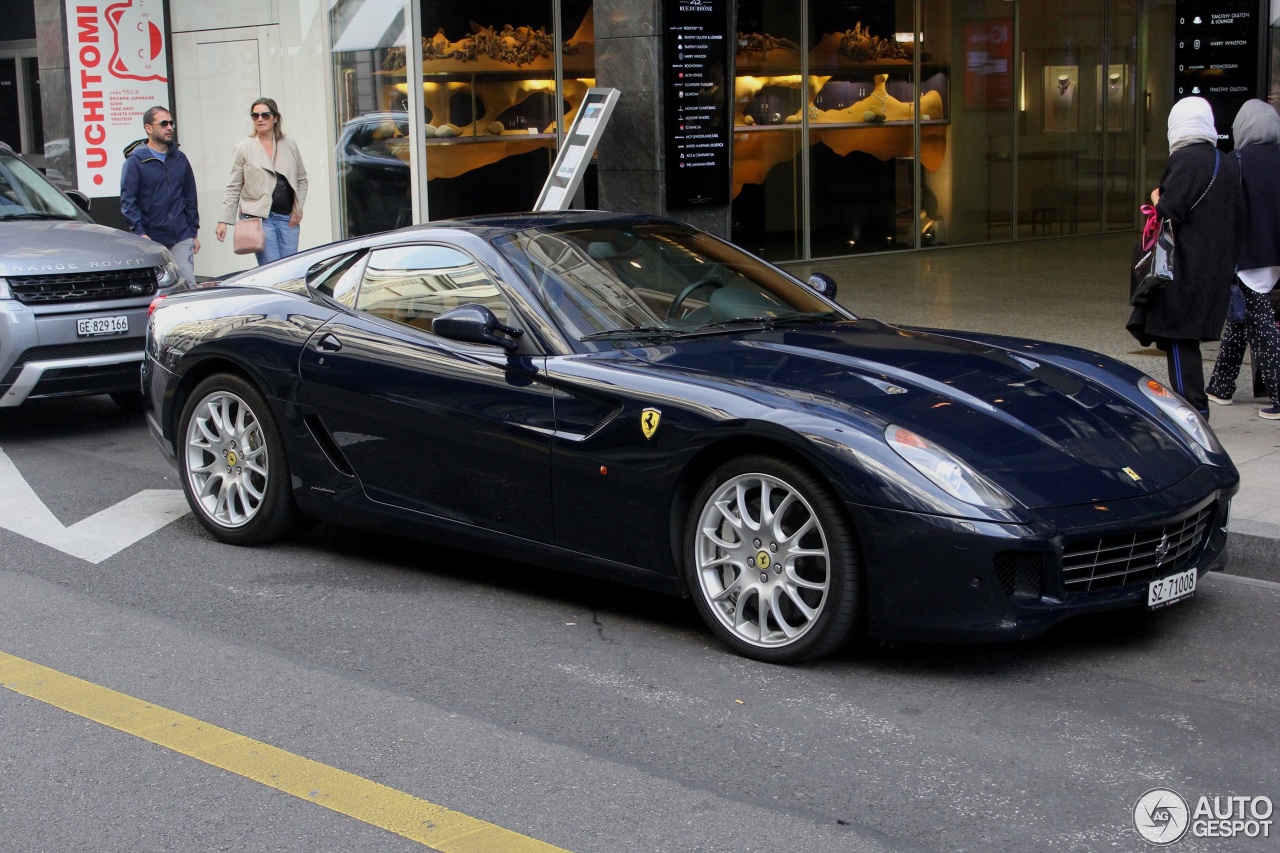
x=102, y=325
x=1173, y=588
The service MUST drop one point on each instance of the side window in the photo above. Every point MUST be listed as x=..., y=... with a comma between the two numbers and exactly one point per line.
x=9, y=195
x=336, y=277
x=415, y=284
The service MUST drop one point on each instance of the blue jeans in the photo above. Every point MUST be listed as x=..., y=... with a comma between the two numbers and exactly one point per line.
x=281, y=241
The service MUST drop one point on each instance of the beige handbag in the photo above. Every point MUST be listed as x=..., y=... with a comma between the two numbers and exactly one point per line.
x=248, y=238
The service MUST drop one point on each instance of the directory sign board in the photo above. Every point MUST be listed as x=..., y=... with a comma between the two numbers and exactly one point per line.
x=1217, y=56
x=698, y=99
x=575, y=154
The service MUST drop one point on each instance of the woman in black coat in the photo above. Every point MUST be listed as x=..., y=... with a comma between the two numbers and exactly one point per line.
x=1257, y=136
x=1200, y=194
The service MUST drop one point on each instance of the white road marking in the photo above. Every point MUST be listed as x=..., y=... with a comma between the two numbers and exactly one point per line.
x=94, y=538
x=1223, y=576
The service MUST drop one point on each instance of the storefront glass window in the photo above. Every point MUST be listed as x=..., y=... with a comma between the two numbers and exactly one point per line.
x=369, y=40
x=1060, y=146
x=489, y=90
x=981, y=121
x=768, y=102
x=490, y=104
x=969, y=175
x=862, y=118
x=1117, y=118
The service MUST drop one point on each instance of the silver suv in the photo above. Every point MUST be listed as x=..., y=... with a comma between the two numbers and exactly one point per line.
x=73, y=295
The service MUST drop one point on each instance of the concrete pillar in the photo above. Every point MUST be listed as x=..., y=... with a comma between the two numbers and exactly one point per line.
x=55, y=85
x=631, y=167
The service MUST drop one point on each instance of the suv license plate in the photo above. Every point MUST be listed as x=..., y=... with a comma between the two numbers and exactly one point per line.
x=1173, y=588
x=102, y=326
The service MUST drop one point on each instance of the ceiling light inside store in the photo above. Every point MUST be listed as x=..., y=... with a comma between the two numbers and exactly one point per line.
x=907, y=37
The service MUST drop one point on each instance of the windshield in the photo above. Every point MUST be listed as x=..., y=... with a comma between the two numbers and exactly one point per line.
x=654, y=280
x=27, y=194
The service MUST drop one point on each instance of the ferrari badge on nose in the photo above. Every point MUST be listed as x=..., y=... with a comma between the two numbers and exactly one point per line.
x=649, y=419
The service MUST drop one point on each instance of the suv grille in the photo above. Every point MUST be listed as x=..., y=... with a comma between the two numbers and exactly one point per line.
x=83, y=287
x=82, y=349
x=1115, y=561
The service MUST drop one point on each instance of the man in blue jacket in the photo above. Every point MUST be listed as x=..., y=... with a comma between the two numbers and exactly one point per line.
x=158, y=192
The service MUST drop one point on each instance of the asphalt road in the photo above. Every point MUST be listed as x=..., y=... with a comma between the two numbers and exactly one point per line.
x=588, y=716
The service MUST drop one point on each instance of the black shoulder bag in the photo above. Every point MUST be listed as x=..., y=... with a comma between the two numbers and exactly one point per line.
x=1153, y=270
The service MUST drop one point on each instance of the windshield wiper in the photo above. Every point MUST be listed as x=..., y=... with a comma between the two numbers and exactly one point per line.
x=11, y=216
x=800, y=319
x=769, y=322
x=764, y=322
x=635, y=332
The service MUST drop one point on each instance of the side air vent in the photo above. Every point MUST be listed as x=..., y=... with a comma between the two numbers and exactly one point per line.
x=605, y=421
x=328, y=446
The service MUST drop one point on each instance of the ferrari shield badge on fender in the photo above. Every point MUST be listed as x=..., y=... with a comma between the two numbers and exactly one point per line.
x=1132, y=473
x=649, y=419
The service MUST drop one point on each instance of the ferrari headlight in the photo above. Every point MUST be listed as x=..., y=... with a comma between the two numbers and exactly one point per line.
x=168, y=275
x=1187, y=419
x=946, y=470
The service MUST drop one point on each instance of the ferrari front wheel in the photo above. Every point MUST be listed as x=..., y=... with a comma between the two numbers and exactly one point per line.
x=233, y=465
x=771, y=561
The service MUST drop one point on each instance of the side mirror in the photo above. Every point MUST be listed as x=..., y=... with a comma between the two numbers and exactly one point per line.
x=81, y=200
x=824, y=284
x=475, y=324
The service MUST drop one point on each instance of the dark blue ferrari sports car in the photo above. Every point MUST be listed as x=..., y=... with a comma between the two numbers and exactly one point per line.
x=627, y=397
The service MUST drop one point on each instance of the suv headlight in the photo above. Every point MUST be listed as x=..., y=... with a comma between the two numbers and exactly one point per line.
x=168, y=275
x=946, y=470
x=4, y=289
x=1188, y=420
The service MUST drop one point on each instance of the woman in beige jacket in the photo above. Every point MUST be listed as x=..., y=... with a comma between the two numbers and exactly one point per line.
x=268, y=181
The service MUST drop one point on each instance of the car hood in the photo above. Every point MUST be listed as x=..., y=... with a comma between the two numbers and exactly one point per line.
x=1048, y=436
x=45, y=248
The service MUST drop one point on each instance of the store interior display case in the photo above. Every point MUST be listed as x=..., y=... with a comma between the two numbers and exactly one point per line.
x=491, y=94
x=859, y=105
x=857, y=82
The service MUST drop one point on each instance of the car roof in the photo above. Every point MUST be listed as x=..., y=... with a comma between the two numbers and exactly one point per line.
x=495, y=224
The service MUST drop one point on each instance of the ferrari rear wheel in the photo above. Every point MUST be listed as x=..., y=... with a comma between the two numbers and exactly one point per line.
x=233, y=464
x=771, y=561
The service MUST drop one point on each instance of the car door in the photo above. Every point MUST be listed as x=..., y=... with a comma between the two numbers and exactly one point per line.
x=454, y=430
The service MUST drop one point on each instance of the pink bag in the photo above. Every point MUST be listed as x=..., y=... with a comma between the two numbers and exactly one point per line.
x=249, y=238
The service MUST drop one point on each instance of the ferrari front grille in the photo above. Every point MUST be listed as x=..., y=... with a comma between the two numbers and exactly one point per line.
x=1127, y=558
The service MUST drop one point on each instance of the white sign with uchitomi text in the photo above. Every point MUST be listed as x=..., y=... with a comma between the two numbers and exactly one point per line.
x=119, y=67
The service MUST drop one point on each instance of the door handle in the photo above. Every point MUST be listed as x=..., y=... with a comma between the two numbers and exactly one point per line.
x=328, y=343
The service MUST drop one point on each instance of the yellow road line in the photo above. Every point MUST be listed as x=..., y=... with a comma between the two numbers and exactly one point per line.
x=386, y=808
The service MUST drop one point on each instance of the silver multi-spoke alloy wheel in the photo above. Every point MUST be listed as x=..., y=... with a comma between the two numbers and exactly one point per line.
x=227, y=467
x=762, y=560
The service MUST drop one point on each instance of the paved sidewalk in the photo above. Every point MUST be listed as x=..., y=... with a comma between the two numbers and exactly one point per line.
x=1073, y=291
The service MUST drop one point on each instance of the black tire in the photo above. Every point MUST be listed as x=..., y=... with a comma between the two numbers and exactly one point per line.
x=227, y=417
x=778, y=561
x=128, y=401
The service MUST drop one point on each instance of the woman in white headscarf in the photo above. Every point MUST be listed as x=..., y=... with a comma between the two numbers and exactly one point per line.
x=1257, y=136
x=1200, y=194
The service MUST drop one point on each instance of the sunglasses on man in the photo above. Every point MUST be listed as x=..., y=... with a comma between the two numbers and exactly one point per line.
x=167, y=123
